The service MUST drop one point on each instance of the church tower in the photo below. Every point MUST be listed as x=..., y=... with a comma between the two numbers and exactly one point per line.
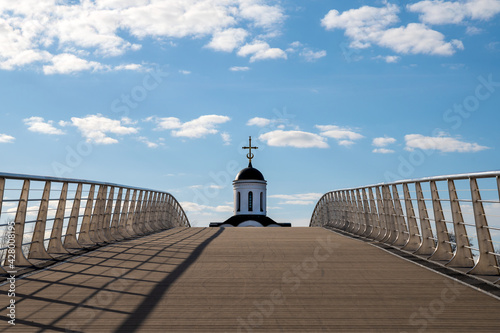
x=250, y=198
x=250, y=189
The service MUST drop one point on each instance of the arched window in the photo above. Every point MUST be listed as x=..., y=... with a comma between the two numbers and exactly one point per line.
x=250, y=201
x=238, y=202
x=261, y=201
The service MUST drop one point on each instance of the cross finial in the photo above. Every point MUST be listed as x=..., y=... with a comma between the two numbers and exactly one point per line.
x=250, y=154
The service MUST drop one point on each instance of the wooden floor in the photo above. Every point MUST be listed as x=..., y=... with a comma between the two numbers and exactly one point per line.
x=246, y=280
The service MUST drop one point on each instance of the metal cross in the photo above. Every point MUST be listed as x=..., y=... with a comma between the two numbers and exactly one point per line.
x=250, y=155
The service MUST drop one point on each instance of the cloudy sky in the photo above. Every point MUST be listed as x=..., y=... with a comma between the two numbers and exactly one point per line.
x=164, y=93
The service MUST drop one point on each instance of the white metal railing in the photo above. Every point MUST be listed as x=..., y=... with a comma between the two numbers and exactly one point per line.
x=454, y=218
x=45, y=217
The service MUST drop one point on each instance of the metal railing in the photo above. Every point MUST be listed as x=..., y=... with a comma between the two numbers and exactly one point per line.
x=467, y=204
x=46, y=217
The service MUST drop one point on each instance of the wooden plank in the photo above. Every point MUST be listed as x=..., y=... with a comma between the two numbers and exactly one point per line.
x=247, y=280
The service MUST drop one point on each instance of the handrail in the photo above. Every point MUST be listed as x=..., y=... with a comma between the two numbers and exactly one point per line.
x=100, y=214
x=378, y=212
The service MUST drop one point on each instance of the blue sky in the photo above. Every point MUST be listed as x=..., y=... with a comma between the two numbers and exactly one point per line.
x=163, y=94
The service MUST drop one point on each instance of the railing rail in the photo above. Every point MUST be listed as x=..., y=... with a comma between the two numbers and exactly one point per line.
x=45, y=217
x=418, y=221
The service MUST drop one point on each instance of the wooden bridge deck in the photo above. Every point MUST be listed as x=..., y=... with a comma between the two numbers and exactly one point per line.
x=245, y=280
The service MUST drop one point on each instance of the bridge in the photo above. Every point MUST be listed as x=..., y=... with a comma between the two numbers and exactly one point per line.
x=84, y=256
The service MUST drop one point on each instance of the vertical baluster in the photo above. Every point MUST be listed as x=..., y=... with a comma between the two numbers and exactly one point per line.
x=122, y=228
x=37, y=247
x=487, y=263
x=375, y=234
x=107, y=216
x=366, y=214
x=360, y=214
x=402, y=238
x=385, y=231
x=414, y=239
x=463, y=255
x=443, y=248
x=84, y=235
x=137, y=216
x=55, y=243
x=115, y=234
x=94, y=221
x=427, y=247
x=70, y=241
x=131, y=216
x=391, y=215
x=19, y=221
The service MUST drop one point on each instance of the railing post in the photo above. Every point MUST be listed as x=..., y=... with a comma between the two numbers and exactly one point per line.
x=487, y=263
x=70, y=241
x=463, y=254
x=131, y=216
x=402, y=238
x=107, y=216
x=37, y=247
x=375, y=234
x=94, y=221
x=19, y=221
x=149, y=209
x=385, y=231
x=427, y=247
x=443, y=248
x=414, y=239
x=84, y=235
x=137, y=216
x=55, y=243
x=360, y=214
x=391, y=214
x=115, y=232
x=122, y=227
x=366, y=214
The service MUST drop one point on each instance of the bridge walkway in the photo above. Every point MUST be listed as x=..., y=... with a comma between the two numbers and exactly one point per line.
x=245, y=280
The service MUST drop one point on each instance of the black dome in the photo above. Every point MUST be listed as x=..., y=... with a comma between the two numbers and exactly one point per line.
x=249, y=173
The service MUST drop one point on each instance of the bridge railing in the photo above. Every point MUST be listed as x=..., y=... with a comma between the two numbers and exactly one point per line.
x=451, y=219
x=45, y=217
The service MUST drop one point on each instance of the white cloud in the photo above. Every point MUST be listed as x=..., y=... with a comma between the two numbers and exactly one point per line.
x=370, y=25
x=258, y=121
x=32, y=30
x=383, y=141
x=196, y=128
x=473, y=30
x=389, y=59
x=297, y=139
x=226, y=138
x=148, y=143
x=260, y=50
x=227, y=40
x=310, y=55
x=298, y=199
x=182, y=71
x=382, y=151
x=38, y=125
x=130, y=67
x=4, y=138
x=344, y=135
x=96, y=127
x=194, y=207
x=447, y=12
x=239, y=69
x=441, y=142
x=68, y=63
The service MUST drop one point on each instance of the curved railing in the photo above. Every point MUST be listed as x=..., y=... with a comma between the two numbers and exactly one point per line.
x=46, y=217
x=466, y=204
